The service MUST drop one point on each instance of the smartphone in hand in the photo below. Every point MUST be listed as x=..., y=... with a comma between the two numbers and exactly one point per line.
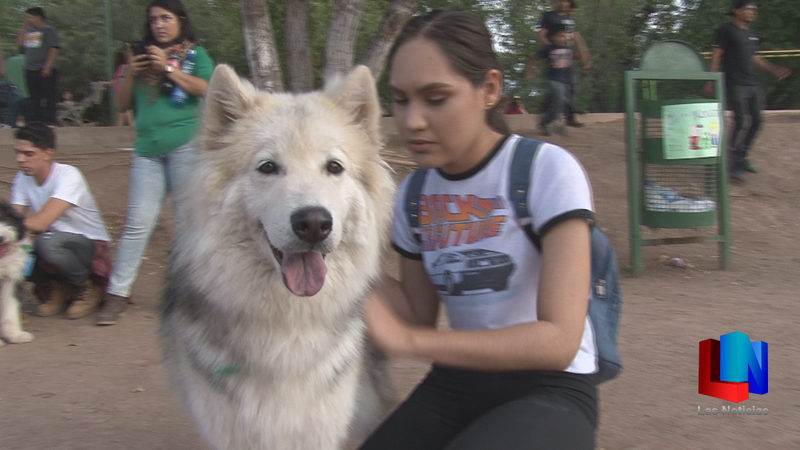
x=138, y=48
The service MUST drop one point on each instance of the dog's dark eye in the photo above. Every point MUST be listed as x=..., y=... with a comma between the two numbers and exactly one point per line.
x=335, y=167
x=268, y=167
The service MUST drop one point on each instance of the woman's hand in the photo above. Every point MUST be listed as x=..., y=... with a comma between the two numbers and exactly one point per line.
x=387, y=331
x=158, y=57
x=136, y=63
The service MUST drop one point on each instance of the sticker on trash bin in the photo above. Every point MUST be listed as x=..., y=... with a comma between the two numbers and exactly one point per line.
x=691, y=130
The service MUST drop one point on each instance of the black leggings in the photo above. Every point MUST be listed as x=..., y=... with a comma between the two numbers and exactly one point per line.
x=457, y=409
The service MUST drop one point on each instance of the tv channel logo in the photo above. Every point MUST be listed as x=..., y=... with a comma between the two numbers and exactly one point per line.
x=732, y=367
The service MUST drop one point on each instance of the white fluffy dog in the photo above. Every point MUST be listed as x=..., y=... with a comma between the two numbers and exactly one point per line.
x=12, y=274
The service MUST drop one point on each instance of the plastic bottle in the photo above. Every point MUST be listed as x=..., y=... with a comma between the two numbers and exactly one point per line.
x=179, y=96
x=31, y=259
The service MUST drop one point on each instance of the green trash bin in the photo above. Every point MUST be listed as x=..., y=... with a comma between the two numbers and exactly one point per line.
x=677, y=175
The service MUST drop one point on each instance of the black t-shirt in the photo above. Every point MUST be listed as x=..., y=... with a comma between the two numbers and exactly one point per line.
x=559, y=62
x=739, y=45
x=550, y=19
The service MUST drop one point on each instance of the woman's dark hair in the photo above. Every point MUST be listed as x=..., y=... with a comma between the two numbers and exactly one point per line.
x=175, y=7
x=38, y=134
x=466, y=43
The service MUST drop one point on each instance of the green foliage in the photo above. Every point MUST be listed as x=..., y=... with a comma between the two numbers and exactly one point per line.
x=777, y=26
x=616, y=31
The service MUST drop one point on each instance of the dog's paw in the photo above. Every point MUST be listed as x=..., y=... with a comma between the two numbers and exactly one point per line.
x=19, y=337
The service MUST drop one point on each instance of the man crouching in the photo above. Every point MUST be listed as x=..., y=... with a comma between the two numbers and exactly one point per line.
x=70, y=239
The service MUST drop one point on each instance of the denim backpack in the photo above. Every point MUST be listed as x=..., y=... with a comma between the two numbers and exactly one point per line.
x=605, y=301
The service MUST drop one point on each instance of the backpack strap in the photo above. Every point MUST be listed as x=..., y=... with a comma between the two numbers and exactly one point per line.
x=413, y=194
x=519, y=184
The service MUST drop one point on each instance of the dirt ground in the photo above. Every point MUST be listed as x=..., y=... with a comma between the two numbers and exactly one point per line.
x=78, y=386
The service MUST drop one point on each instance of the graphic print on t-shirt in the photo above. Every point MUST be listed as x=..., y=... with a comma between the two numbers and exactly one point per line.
x=458, y=271
x=33, y=39
x=560, y=58
x=453, y=220
x=448, y=225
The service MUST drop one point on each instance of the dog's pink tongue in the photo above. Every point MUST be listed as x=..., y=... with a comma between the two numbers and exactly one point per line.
x=304, y=273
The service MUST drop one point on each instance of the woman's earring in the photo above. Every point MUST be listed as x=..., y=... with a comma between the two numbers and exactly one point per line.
x=490, y=104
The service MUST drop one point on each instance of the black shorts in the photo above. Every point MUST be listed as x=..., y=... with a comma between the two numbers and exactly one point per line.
x=457, y=409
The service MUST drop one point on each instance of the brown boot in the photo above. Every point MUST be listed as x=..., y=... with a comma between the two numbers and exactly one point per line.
x=111, y=310
x=87, y=298
x=57, y=295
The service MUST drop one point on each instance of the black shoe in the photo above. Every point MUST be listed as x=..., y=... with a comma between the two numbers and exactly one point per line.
x=543, y=130
x=111, y=310
x=579, y=111
x=747, y=167
x=574, y=123
x=738, y=175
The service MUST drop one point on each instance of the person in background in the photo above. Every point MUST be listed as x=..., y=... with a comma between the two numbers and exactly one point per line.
x=515, y=106
x=559, y=57
x=124, y=118
x=70, y=240
x=734, y=51
x=561, y=16
x=40, y=43
x=163, y=150
x=15, y=74
x=581, y=54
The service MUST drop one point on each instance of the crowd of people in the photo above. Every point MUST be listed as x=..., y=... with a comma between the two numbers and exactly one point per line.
x=73, y=273
x=484, y=388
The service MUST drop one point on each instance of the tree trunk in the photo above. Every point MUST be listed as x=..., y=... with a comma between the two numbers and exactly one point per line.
x=259, y=41
x=298, y=49
x=345, y=19
x=396, y=16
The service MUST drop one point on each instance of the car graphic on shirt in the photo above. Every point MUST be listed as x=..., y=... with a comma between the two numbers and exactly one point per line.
x=455, y=272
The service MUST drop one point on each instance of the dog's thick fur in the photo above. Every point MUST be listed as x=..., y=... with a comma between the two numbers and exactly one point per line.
x=12, y=274
x=264, y=339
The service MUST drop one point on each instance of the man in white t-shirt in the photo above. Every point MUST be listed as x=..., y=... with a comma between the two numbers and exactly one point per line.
x=70, y=239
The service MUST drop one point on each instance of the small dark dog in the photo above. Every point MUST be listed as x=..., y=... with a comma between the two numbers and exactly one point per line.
x=13, y=259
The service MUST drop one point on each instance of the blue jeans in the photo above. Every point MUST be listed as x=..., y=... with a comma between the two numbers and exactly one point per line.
x=151, y=179
x=559, y=98
x=17, y=107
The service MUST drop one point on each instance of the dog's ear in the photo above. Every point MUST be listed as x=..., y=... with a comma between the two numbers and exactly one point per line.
x=227, y=98
x=357, y=94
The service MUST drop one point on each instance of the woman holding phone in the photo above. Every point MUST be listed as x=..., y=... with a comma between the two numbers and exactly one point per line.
x=164, y=130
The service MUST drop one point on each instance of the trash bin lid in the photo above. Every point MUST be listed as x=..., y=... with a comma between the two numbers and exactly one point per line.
x=672, y=56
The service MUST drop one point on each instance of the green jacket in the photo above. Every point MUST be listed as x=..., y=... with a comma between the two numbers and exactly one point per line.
x=161, y=127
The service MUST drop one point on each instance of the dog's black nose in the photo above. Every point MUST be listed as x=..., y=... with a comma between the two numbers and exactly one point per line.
x=312, y=224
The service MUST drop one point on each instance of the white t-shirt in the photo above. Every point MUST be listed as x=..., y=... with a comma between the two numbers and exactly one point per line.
x=481, y=261
x=64, y=183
